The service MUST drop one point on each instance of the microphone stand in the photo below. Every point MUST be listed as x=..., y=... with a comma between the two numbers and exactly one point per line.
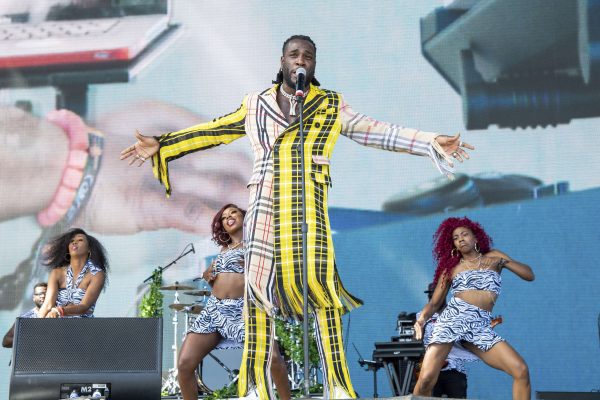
x=300, y=101
x=161, y=269
x=171, y=385
x=370, y=365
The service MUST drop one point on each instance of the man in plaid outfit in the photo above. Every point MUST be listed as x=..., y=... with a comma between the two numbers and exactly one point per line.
x=272, y=227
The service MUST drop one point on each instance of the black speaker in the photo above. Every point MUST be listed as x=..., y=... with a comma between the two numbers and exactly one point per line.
x=103, y=358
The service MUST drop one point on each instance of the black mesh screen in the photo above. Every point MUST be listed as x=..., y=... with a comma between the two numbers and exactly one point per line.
x=87, y=345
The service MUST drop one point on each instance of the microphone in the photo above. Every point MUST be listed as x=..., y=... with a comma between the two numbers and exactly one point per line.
x=193, y=250
x=300, y=79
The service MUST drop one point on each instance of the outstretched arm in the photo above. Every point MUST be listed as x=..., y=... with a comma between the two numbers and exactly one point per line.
x=174, y=145
x=367, y=131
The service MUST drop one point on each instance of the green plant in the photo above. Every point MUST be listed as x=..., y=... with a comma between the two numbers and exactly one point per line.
x=291, y=338
x=314, y=389
x=226, y=392
x=152, y=302
x=230, y=391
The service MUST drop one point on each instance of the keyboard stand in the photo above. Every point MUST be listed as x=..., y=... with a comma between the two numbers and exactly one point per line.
x=407, y=367
x=72, y=81
x=399, y=358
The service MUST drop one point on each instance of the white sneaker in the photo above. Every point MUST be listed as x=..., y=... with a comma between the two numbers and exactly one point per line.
x=339, y=393
x=252, y=394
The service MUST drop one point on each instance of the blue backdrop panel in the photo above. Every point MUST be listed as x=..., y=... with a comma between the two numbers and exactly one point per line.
x=552, y=322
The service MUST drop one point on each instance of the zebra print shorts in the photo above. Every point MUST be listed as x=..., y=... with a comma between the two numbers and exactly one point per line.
x=462, y=321
x=222, y=316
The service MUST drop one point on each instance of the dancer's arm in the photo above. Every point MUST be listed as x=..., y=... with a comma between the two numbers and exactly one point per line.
x=207, y=275
x=437, y=299
x=7, y=341
x=51, y=293
x=502, y=260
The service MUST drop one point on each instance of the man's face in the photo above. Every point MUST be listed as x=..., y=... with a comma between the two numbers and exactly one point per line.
x=39, y=295
x=298, y=53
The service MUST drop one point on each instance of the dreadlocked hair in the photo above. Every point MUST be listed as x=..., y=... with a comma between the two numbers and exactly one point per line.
x=279, y=76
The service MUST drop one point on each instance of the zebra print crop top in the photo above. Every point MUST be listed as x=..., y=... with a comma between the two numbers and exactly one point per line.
x=477, y=279
x=229, y=261
x=72, y=293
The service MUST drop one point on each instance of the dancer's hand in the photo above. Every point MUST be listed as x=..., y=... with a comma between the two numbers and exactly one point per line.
x=454, y=147
x=207, y=275
x=492, y=262
x=496, y=321
x=419, y=329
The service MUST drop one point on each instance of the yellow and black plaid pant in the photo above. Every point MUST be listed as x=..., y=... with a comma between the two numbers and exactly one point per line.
x=260, y=336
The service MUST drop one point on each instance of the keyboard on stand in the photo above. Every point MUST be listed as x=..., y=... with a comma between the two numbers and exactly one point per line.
x=399, y=359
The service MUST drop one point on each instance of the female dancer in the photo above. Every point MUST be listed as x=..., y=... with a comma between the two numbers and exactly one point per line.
x=221, y=324
x=471, y=271
x=78, y=266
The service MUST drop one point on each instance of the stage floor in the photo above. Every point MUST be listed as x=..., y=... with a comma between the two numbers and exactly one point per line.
x=408, y=397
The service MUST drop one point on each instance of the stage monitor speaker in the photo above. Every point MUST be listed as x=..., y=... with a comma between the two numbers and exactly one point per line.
x=100, y=358
x=567, y=395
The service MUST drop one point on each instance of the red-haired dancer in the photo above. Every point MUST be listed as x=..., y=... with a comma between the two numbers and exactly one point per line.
x=221, y=324
x=470, y=269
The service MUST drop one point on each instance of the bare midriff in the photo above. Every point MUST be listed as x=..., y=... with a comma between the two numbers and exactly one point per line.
x=228, y=285
x=483, y=299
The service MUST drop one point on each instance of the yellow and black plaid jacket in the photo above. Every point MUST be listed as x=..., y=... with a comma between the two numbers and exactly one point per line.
x=273, y=222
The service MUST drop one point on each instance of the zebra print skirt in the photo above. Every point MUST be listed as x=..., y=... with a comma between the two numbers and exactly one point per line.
x=222, y=316
x=462, y=321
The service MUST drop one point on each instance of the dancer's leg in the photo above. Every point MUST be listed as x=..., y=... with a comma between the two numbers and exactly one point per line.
x=195, y=347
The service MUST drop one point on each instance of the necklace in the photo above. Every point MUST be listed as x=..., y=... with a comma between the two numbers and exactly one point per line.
x=478, y=258
x=291, y=98
x=235, y=246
